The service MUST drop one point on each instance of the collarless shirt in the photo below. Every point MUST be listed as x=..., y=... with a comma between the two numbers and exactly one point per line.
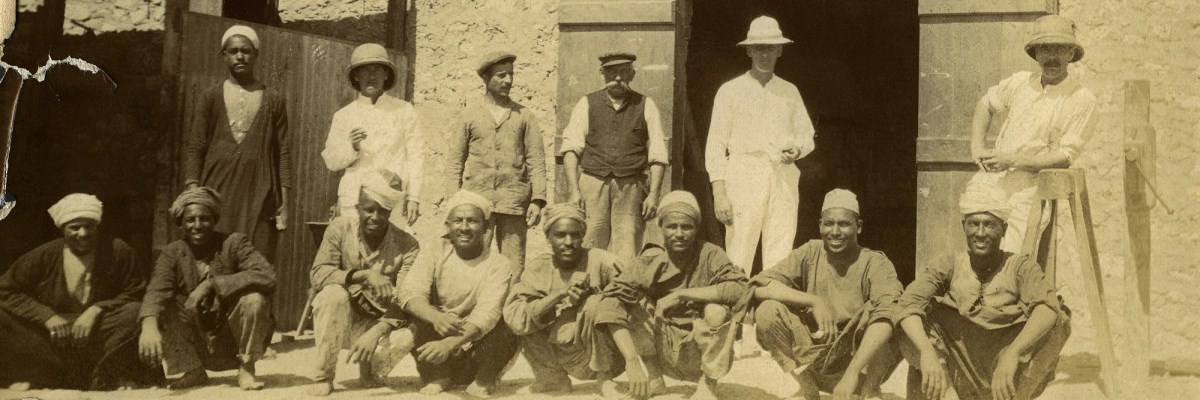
x=1007, y=299
x=473, y=290
x=394, y=142
x=342, y=251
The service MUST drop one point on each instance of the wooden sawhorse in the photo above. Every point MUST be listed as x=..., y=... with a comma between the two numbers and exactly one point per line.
x=1070, y=185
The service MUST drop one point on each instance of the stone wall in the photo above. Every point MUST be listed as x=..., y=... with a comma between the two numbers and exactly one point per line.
x=1152, y=40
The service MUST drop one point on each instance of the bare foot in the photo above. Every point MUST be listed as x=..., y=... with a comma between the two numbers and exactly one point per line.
x=435, y=387
x=366, y=376
x=478, y=390
x=193, y=378
x=658, y=386
x=320, y=389
x=19, y=386
x=706, y=389
x=246, y=378
x=609, y=389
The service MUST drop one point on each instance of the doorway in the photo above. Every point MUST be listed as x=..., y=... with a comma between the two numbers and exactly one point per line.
x=855, y=64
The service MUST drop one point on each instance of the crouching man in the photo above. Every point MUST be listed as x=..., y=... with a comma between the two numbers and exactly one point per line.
x=361, y=259
x=553, y=308
x=825, y=310
x=455, y=292
x=676, y=308
x=983, y=321
x=210, y=292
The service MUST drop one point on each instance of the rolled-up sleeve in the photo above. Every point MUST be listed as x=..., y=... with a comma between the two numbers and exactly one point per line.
x=1081, y=125
x=1033, y=287
x=492, y=292
x=885, y=289
x=339, y=152
x=574, y=135
x=656, y=149
x=931, y=281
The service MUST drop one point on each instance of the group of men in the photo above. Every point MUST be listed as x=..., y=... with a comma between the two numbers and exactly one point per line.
x=983, y=322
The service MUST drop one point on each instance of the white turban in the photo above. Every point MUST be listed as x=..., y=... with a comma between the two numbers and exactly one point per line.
x=984, y=196
x=468, y=197
x=681, y=202
x=76, y=205
x=840, y=198
x=243, y=30
x=379, y=189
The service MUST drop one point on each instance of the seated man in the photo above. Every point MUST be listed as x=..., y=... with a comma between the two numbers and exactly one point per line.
x=825, y=311
x=553, y=308
x=985, y=321
x=68, y=308
x=677, y=308
x=354, y=274
x=210, y=292
x=456, y=292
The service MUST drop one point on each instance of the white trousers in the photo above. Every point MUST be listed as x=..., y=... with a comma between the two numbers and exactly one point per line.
x=765, y=200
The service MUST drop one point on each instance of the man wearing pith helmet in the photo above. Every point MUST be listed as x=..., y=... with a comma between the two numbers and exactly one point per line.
x=497, y=152
x=614, y=136
x=759, y=129
x=376, y=133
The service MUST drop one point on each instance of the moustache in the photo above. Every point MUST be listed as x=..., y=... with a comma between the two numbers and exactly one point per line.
x=616, y=83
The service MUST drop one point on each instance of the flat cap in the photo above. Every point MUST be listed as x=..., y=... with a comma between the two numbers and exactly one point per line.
x=616, y=58
x=493, y=58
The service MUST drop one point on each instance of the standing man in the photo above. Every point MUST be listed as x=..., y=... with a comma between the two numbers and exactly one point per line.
x=825, y=311
x=376, y=133
x=497, y=152
x=759, y=129
x=1049, y=119
x=239, y=147
x=613, y=135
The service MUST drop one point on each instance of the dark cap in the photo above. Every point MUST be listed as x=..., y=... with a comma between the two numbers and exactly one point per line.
x=493, y=58
x=616, y=58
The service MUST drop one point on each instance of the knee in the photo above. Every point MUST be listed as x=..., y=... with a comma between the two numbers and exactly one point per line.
x=716, y=314
x=254, y=302
x=331, y=296
x=769, y=313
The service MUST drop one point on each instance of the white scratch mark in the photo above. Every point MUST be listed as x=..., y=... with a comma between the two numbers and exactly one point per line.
x=40, y=74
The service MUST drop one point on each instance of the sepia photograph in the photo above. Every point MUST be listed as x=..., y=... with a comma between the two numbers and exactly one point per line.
x=615, y=199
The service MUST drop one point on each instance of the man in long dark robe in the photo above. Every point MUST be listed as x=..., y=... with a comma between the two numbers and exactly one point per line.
x=238, y=146
x=210, y=291
x=68, y=309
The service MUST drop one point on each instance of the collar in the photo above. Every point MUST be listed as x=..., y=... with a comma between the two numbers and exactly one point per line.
x=366, y=101
x=1068, y=84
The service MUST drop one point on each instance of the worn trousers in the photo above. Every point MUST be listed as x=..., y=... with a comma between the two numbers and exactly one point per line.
x=685, y=350
x=561, y=349
x=970, y=352
x=242, y=339
x=484, y=362
x=510, y=239
x=765, y=198
x=788, y=336
x=106, y=360
x=614, y=213
x=336, y=325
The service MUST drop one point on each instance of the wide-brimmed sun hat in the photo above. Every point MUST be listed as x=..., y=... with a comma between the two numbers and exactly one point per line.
x=371, y=53
x=1054, y=29
x=764, y=30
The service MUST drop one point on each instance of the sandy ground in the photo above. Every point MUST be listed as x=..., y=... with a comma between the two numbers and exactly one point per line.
x=751, y=378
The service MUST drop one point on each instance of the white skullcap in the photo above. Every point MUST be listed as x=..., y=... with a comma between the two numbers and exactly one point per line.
x=379, y=189
x=468, y=197
x=840, y=198
x=76, y=205
x=984, y=196
x=243, y=30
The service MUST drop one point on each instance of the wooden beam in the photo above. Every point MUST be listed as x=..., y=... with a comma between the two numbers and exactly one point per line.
x=165, y=183
x=210, y=7
x=1089, y=263
x=1139, y=154
x=397, y=32
x=616, y=12
x=981, y=7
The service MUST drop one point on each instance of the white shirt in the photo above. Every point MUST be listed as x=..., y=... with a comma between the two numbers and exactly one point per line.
x=78, y=274
x=766, y=118
x=1042, y=119
x=394, y=142
x=473, y=290
x=575, y=134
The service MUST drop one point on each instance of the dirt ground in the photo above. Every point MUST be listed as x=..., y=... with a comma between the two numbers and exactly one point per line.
x=751, y=378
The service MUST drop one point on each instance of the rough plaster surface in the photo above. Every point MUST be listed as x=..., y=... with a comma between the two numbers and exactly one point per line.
x=1147, y=40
